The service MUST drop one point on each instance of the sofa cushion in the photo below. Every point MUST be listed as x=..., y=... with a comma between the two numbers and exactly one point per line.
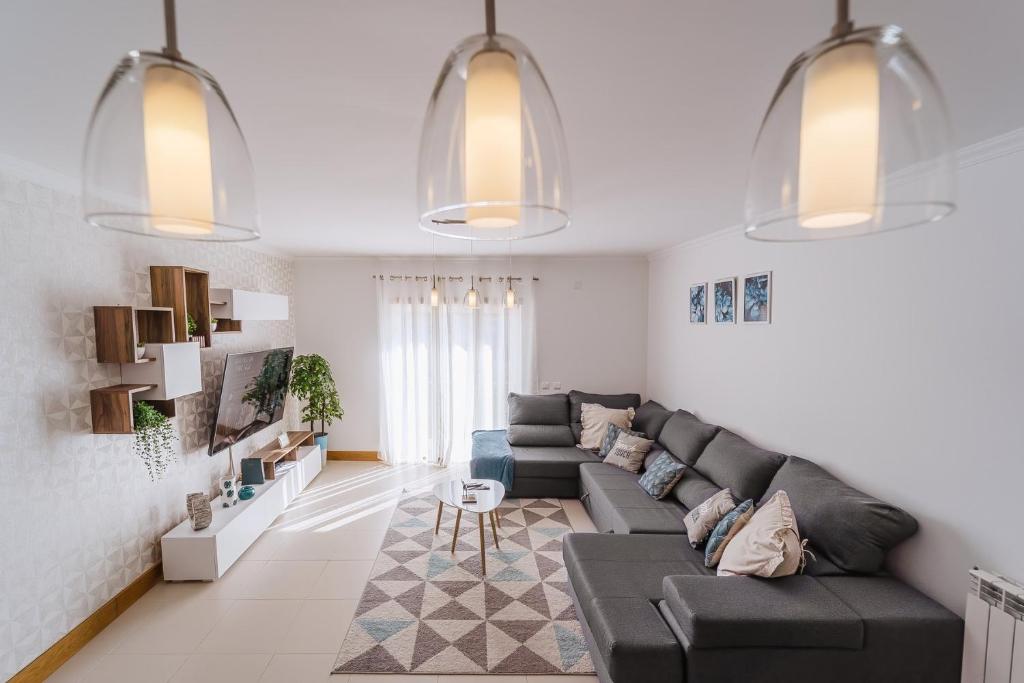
x=548, y=462
x=595, y=420
x=701, y=520
x=540, y=435
x=650, y=418
x=725, y=531
x=768, y=546
x=852, y=529
x=662, y=476
x=738, y=612
x=578, y=398
x=629, y=452
x=611, y=435
x=538, y=409
x=617, y=504
x=686, y=437
x=693, y=489
x=734, y=463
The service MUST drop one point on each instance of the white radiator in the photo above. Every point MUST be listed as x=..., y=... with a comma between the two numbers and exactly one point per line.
x=994, y=634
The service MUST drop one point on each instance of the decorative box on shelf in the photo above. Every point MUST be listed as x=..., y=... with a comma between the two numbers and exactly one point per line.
x=232, y=306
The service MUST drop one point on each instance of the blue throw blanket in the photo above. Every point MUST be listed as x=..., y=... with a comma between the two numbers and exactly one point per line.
x=492, y=457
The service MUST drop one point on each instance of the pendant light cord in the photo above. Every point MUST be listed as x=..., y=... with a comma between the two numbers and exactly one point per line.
x=489, y=13
x=171, y=27
x=843, y=24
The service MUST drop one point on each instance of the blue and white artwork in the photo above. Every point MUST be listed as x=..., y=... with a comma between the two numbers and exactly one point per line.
x=699, y=303
x=725, y=300
x=757, y=298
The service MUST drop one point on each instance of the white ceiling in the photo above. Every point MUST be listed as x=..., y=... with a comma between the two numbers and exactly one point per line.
x=660, y=100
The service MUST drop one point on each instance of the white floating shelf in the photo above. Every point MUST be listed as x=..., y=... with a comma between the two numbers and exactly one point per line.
x=240, y=304
x=174, y=369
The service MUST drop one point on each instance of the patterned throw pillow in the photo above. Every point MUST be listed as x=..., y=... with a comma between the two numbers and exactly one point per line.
x=769, y=545
x=611, y=435
x=703, y=518
x=595, y=419
x=628, y=452
x=661, y=476
x=725, y=530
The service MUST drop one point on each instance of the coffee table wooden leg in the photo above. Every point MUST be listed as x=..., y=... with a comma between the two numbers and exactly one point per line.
x=483, y=549
x=497, y=517
x=455, y=534
x=440, y=509
x=494, y=532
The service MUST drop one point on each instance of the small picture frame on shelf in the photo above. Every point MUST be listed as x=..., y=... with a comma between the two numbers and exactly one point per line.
x=757, y=298
x=725, y=300
x=699, y=303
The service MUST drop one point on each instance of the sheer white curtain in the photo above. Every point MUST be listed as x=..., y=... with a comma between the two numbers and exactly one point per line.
x=447, y=370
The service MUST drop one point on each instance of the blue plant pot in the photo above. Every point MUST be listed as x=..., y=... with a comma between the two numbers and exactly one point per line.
x=321, y=441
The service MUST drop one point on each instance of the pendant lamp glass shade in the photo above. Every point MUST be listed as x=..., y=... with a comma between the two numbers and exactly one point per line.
x=510, y=296
x=856, y=141
x=493, y=162
x=164, y=155
x=472, y=298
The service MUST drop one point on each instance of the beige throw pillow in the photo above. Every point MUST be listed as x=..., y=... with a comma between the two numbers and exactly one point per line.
x=629, y=452
x=706, y=516
x=769, y=545
x=595, y=419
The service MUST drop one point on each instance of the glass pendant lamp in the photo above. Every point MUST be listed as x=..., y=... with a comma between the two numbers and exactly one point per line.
x=472, y=298
x=493, y=163
x=856, y=141
x=510, y=294
x=435, y=293
x=164, y=155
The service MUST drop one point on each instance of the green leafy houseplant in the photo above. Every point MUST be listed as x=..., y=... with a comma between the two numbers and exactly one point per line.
x=312, y=382
x=191, y=326
x=154, y=437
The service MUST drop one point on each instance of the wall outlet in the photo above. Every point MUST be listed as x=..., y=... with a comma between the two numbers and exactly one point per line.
x=545, y=386
x=556, y=386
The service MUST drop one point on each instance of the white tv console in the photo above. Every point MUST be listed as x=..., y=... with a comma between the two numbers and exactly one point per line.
x=205, y=555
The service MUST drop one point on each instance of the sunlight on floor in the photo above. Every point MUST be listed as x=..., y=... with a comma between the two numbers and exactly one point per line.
x=280, y=614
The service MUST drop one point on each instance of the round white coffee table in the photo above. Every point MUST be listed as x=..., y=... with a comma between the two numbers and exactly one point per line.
x=487, y=502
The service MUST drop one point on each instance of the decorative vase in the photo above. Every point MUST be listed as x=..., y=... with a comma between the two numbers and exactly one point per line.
x=246, y=492
x=140, y=351
x=213, y=326
x=200, y=514
x=228, y=494
x=321, y=441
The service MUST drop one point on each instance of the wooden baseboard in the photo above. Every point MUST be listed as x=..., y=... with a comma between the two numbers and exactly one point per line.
x=49, y=661
x=360, y=456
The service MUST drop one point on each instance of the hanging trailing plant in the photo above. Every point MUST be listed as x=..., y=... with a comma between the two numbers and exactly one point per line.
x=154, y=438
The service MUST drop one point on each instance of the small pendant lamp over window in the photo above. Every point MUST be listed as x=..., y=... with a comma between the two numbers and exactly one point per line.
x=493, y=163
x=510, y=294
x=164, y=155
x=856, y=141
x=472, y=298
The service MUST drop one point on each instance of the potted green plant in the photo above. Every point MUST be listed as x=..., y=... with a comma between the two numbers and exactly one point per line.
x=191, y=326
x=312, y=382
x=140, y=350
x=213, y=324
x=154, y=437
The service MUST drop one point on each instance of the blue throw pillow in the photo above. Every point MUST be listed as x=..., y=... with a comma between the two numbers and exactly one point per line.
x=725, y=530
x=661, y=476
x=611, y=435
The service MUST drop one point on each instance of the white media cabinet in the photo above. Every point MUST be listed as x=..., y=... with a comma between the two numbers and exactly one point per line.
x=205, y=555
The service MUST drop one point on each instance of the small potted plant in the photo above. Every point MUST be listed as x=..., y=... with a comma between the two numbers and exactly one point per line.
x=140, y=350
x=312, y=382
x=154, y=437
x=191, y=326
x=213, y=324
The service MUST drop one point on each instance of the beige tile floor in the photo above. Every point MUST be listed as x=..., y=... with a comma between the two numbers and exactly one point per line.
x=280, y=614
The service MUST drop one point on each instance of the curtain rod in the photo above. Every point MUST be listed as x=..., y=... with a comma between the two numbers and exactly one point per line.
x=450, y=278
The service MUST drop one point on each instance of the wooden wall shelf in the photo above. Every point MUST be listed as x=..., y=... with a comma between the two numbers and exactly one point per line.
x=228, y=326
x=271, y=454
x=187, y=291
x=120, y=328
x=112, y=408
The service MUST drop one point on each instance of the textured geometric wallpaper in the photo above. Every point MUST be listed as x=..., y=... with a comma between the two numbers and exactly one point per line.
x=79, y=516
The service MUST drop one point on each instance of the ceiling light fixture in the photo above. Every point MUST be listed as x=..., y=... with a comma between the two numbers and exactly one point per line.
x=493, y=163
x=435, y=294
x=164, y=155
x=856, y=141
x=510, y=294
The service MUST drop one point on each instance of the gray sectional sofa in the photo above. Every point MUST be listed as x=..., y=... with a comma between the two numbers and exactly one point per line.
x=652, y=612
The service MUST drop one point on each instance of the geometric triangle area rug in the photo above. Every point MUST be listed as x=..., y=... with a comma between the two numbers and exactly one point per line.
x=426, y=609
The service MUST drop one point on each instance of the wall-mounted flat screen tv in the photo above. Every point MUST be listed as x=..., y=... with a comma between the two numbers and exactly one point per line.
x=252, y=395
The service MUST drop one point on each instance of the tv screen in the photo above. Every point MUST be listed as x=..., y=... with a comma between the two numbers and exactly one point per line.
x=252, y=395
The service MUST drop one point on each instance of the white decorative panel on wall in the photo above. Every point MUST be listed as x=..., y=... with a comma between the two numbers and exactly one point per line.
x=81, y=517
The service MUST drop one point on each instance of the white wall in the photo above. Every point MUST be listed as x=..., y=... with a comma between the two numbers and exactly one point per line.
x=591, y=326
x=894, y=361
x=81, y=517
